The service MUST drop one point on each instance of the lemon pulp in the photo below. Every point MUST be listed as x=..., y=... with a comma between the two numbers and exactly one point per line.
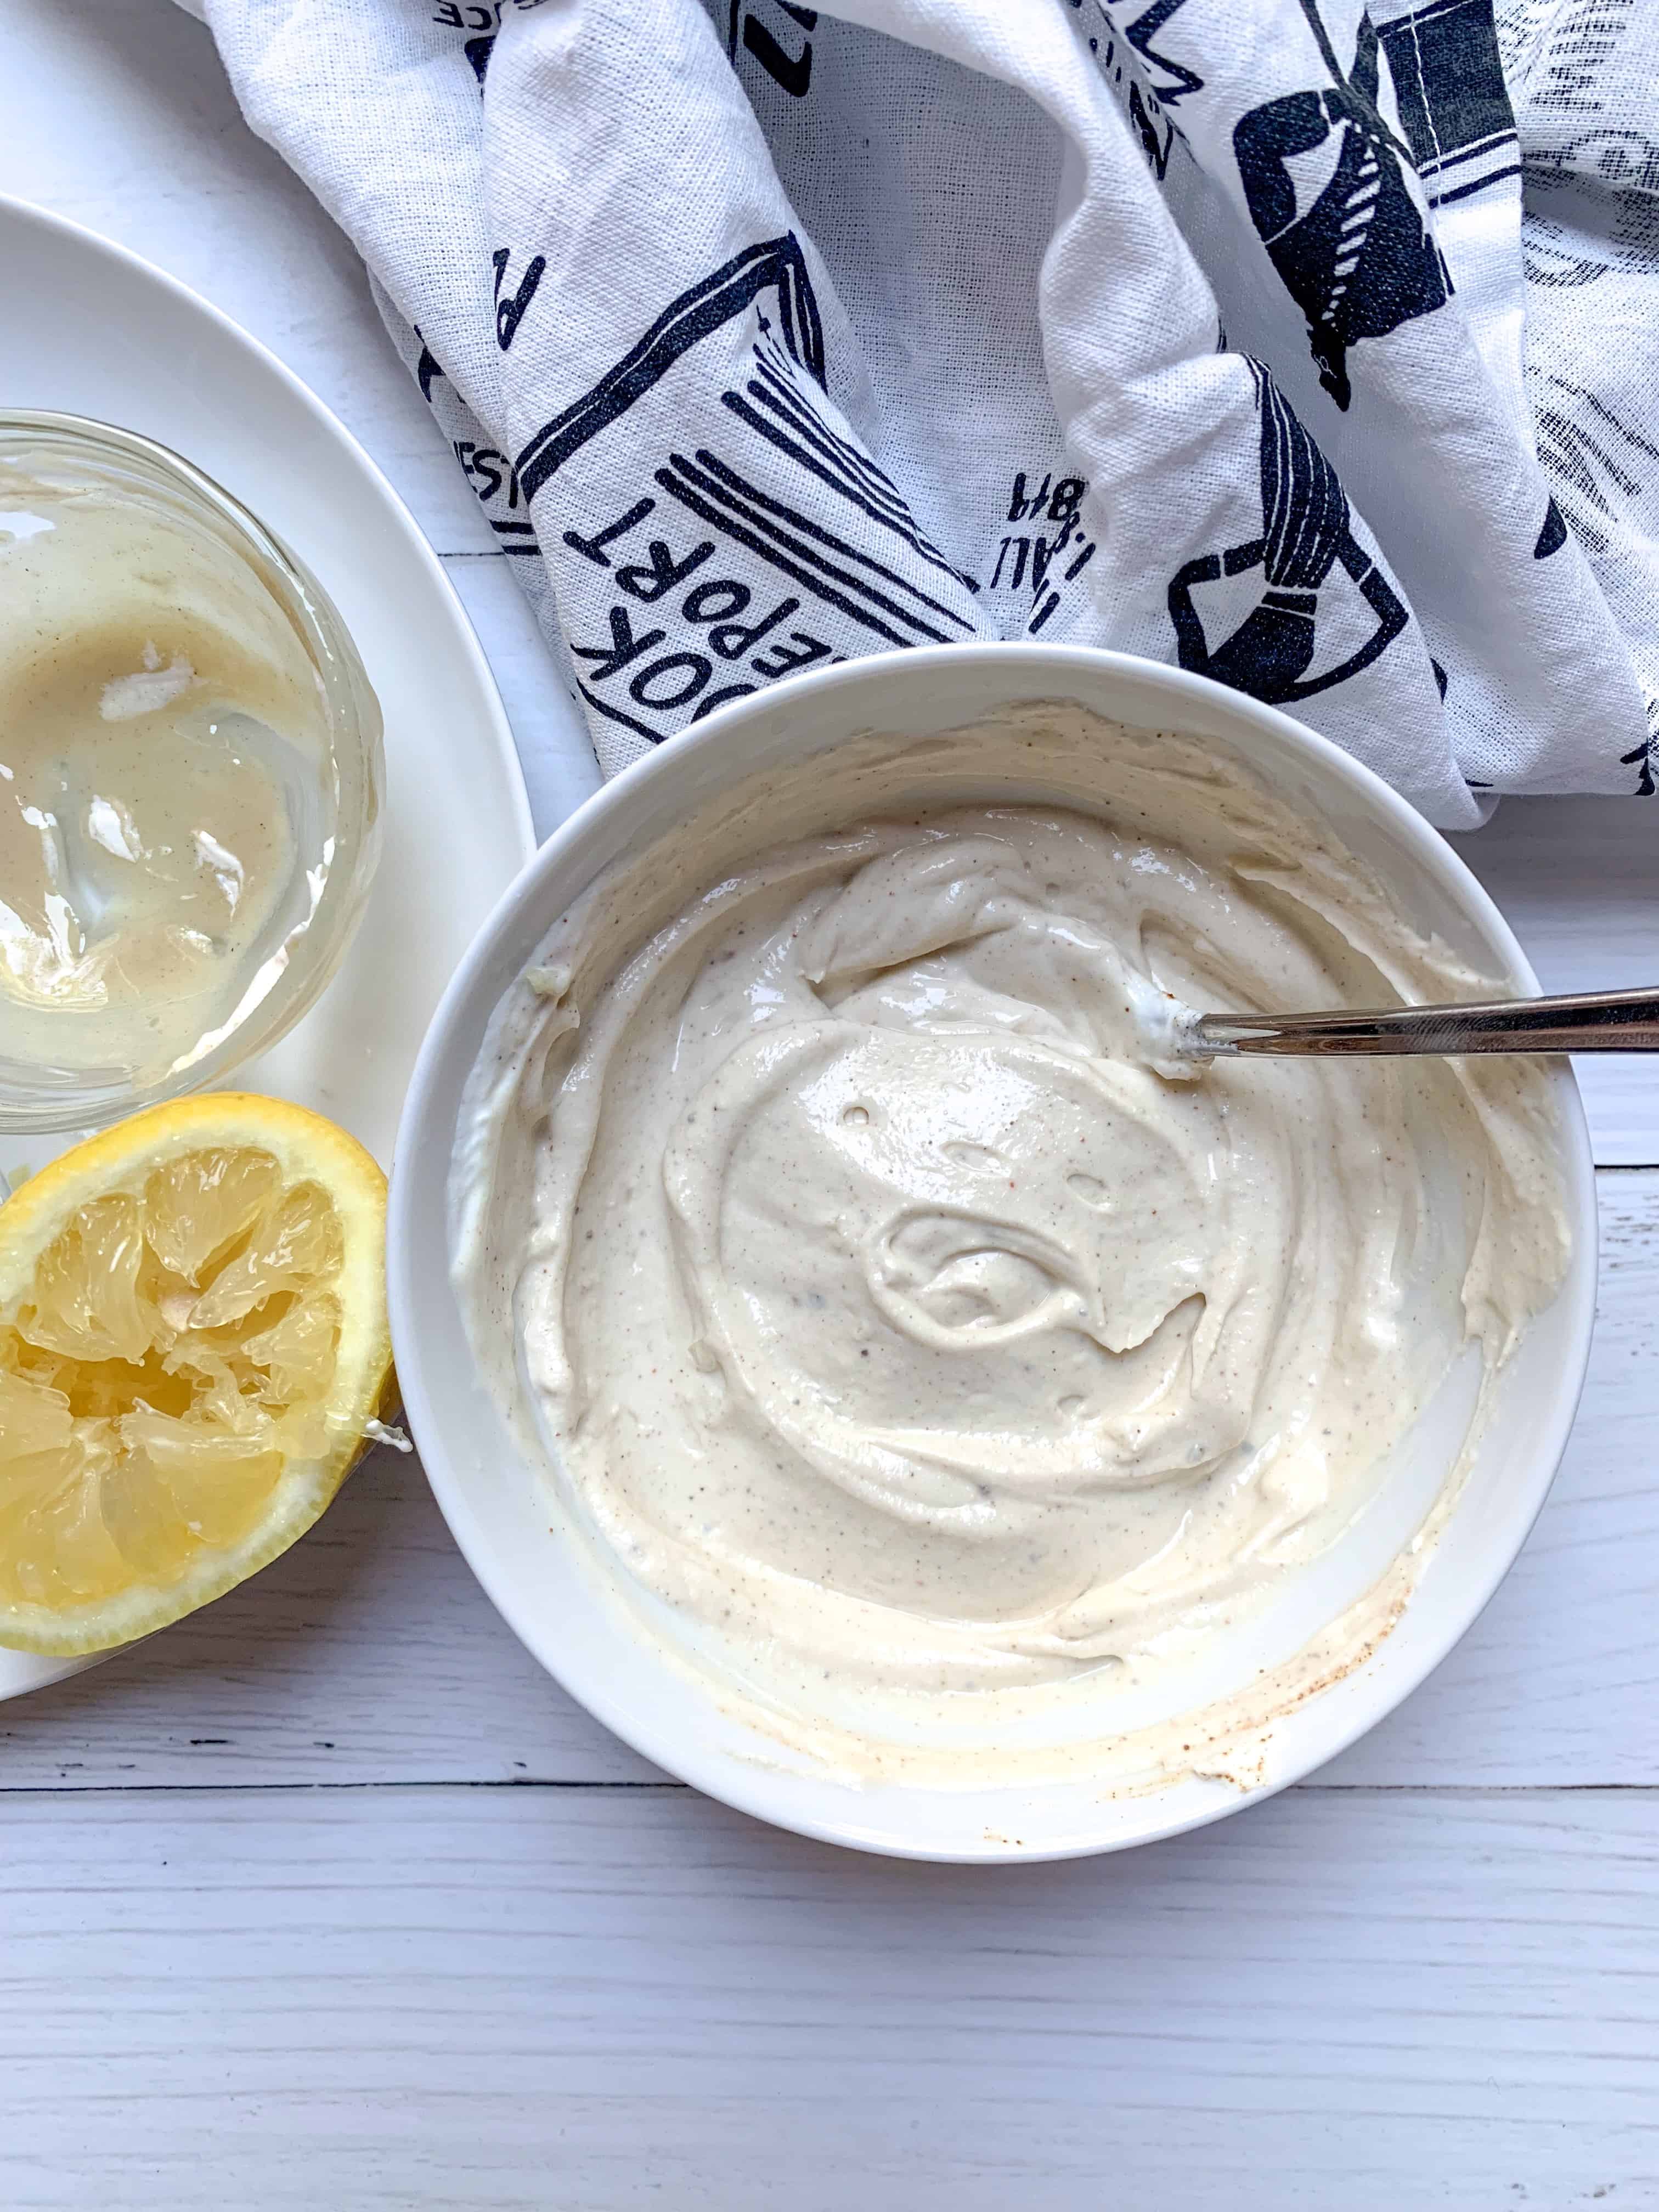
x=173, y=1408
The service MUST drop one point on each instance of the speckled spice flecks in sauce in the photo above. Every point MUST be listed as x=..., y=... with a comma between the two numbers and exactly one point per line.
x=966, y=1383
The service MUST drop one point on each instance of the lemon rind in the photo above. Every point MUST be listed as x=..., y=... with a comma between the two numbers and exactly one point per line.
x=304, y=1144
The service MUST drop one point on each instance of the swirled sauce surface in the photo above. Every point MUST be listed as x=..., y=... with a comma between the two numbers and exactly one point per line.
x=947, y=1361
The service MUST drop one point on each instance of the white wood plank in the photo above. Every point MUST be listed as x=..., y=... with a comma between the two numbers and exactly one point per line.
x=1558, y=1681
x=353, y=1642
x=1579, y=881
x=578, y=2002
x=369, y=1653
x=577, y=1999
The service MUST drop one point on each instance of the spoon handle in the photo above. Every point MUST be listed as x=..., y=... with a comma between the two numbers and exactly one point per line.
x=1586, y=1021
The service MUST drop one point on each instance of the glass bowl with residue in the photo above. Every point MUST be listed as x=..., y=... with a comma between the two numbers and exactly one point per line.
x=191, y=778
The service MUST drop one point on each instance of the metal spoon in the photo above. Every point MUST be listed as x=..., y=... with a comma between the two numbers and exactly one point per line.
x=1586, y=1021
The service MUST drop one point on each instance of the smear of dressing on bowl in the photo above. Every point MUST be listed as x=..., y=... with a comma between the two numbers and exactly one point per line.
x=954, y=1377
x=165, y=784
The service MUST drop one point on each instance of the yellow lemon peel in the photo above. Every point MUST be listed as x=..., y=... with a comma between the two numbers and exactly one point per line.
x=194, y=1345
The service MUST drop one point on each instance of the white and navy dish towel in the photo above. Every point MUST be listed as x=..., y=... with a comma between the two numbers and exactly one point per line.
x=1311, y=344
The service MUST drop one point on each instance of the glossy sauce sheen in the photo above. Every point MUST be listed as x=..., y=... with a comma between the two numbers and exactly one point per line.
x=951, y=1362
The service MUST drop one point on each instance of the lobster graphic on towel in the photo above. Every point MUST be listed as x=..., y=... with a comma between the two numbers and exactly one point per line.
x=1316, y=578
x=1328, y=187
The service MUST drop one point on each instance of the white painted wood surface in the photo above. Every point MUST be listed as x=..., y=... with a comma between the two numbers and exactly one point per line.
x=368, y=1654
x=273, y=1933
x=631, y=1998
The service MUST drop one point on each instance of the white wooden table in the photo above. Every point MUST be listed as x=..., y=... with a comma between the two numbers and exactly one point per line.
x=329, y=1899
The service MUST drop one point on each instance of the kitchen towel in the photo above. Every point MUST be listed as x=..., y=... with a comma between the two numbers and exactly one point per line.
x=1217, y=331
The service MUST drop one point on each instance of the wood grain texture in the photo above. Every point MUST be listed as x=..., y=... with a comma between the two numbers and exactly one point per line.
x=273, y=1936
x=588, y=2003
x=369, y=1654
x=1578, y=880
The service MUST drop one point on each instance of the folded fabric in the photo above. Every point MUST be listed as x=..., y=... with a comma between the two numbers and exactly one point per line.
x=770, y=334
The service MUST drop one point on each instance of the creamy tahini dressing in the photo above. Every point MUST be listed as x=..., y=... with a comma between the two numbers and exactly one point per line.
x=957, y=1377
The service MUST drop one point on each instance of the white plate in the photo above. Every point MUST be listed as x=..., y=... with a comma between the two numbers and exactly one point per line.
x=110, y=336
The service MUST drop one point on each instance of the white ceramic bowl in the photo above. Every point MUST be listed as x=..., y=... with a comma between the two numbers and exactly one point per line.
x=496, y=1507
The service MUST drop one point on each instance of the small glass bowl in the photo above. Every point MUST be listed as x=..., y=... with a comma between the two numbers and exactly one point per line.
x=76, y=450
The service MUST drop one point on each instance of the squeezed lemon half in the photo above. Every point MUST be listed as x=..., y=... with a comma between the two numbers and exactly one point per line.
x=192, y=1342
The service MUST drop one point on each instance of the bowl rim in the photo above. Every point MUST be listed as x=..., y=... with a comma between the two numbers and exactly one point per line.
x=356, y=742
x=749, y=1788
